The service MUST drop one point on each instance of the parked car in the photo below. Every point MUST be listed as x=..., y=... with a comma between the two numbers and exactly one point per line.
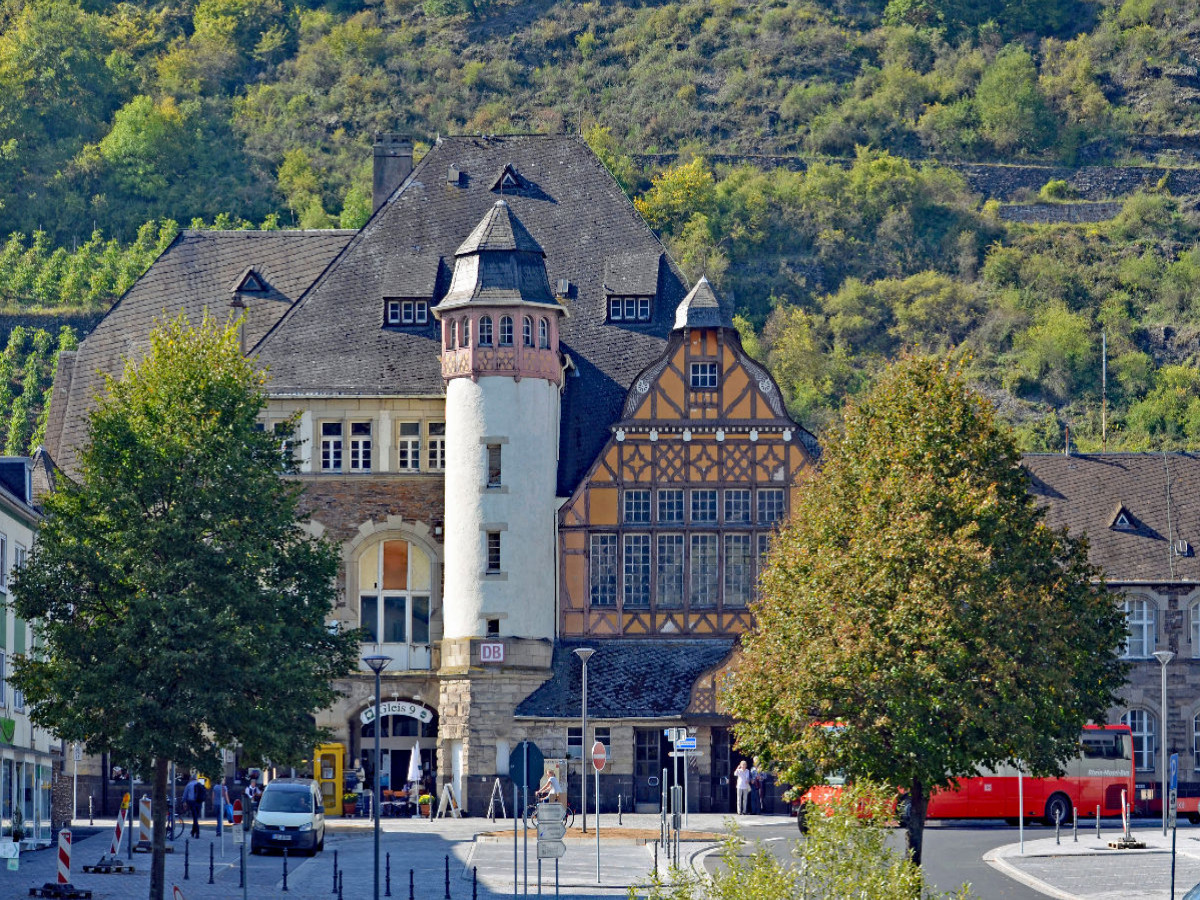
x=290, y=814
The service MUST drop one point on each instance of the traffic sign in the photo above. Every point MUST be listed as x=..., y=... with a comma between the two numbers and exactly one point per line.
x=551, y=829
x=550, y=849
x=522, y=775
x=688, y=743
x=599, y=756
x=1174, y=770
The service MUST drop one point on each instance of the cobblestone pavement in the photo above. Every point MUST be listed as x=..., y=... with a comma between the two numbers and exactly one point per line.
x=419, y=846
x=1090, y=870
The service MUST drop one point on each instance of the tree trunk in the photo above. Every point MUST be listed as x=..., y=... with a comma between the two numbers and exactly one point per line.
x=158, y=860
x=918, y=801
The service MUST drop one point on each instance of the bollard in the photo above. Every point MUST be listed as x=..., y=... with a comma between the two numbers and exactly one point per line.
x=387, y=876
x=91, y=818
x=210, y=863
x=242, y=870
x=447, y=876
x=285, y=887
x=340, y=885
x=1075, y=823
x=335, y=878
x=474, y=883
x=410, y=885
x=619, y=809
x=1057, y=827
x=1097, y=821
x=656, y=857
x=186, y=844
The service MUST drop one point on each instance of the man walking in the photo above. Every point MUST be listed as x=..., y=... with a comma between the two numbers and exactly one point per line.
x=193, y=796
x=742, y=778
x=220, y=799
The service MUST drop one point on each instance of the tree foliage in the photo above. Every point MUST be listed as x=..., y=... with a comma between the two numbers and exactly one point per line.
x=917, y=598
x=179, y=606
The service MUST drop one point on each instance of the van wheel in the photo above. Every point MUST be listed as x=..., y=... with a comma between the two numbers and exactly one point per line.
x=321, y=843
x=1058, y=808
x=802, y=818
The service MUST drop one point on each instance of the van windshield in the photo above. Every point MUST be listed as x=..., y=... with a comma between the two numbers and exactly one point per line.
x=284, y=801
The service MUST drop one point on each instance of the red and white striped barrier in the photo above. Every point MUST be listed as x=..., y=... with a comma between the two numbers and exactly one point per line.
x=64, y=857
x=145, y=823
x=117, y=833
x=176, y=894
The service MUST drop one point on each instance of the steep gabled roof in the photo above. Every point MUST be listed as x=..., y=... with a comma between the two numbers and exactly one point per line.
x=331, y=342
x=701, y=308
x=1085, y=493
x=197, y=273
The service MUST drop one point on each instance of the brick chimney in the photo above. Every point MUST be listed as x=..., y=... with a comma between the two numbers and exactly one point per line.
x=393, y=162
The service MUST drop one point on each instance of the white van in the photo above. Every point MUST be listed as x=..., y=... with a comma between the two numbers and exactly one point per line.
x=290, y=814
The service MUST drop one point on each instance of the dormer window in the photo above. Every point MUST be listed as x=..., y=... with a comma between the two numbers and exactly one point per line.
x=1123, y=520
x=703, y=376
x=509, y=180
x=406, y=312
x=249, y=282
x=629, y=309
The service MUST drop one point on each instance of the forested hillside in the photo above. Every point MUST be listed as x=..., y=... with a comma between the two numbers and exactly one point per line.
x=119, y=119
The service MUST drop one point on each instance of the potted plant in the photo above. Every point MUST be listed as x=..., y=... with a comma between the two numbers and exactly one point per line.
x=425, y=803
x=349, y=804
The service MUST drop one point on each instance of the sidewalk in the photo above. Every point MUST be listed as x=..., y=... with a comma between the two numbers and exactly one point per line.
x=1090, y=870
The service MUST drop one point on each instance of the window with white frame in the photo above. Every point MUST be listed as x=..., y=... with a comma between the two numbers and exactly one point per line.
x=485, y=331
x=629, y=309
x=493, y=466
x=331, y=446
x=395, y=589
x=704, y=585
x=1144, y=728
x=466, y=339
x=452, y=341
x=407, y=312
x=669, y=571
x=637, y=570
x=602, y=569
x=506, y=331
x=670, y=506
x=770, y=506
x=635, y=507
x=544, y=334
x=1139, y=619
x=704, y=506
x=408, y=446
x=737, y=506
x=703, y=376
x=493, y=552
x=437, y=446
x=527, y=331
x=739, y=569
x=360, y=446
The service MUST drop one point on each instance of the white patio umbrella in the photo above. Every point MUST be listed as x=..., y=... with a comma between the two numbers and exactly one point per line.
x=414, y=763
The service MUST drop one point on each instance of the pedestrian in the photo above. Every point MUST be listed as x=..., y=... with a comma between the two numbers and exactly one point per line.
x=193, y=796
x=755, y=781
x=250, y=797
x=220, y=799
x=760, y=788
x=742, y=774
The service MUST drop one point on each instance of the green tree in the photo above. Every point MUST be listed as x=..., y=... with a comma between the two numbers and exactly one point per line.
x=1013, y=111
x=182, y=609
x=918, y=598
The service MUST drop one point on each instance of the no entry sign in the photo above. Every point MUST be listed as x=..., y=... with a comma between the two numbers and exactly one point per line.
x=599, y=756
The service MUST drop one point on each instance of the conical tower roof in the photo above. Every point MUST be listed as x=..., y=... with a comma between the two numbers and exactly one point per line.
x=499, y=264
x=701, y=308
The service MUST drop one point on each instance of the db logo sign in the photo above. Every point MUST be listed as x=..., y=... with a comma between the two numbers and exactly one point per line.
x=491, y=653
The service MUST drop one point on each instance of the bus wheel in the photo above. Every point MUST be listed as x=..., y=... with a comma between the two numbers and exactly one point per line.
x=1194, y=818
x=802, y=818
x=1058, y=808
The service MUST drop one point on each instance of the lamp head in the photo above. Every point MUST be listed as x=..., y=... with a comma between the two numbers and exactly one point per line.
x=1164, y=656
x=584, y=653
x=377, y=662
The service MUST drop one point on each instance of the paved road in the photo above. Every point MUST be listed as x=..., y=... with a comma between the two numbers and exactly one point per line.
x=953, y=855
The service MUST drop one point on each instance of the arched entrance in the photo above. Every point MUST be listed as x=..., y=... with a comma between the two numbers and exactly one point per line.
x=404, y=725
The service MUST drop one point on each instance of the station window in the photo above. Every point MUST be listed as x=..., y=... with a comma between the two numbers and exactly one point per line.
x=360, y=446
x=407, y=312
x=493, y=465
x=636, y=507
x=437, y=446
x=704, y=506
x=770, y=505
x=703, y=376
x=408, y=446
x=670, y=506
x=629, y=309
x=737, y=506
x=331, y=446
x=602, y=569
x=493, y=552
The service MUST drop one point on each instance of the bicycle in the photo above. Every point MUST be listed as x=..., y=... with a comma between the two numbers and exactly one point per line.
x=175, y=822
x=531, y=815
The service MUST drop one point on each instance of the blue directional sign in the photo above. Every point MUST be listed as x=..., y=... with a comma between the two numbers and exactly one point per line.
x=688, y=743
x=1174, y=770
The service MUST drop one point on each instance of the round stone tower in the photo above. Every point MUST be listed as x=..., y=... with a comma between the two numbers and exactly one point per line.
x=503, y=372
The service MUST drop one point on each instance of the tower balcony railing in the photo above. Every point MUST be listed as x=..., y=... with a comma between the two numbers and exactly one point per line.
x=405, y=657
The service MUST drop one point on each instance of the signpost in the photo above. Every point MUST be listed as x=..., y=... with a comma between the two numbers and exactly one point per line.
x=551, y=829
x=525, y=763
x=599, y=758
x=1174, y=797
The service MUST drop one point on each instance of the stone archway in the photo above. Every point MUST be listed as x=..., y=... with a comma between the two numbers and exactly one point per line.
x=405, y=724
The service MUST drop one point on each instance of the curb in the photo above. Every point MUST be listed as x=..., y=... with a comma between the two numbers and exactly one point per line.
x=1002, y=865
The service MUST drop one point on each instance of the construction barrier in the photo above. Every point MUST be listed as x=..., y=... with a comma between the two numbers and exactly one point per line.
x=145, y=827
x=64, y=857
x=118, y=833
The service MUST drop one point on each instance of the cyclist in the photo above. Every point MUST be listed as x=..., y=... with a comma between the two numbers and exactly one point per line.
x=551, y=790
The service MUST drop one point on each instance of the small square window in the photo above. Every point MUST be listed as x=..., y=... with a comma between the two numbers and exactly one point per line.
x=737, y=506
x=493, y=551
x=393, y=312
x=615, y=308
x=704, y=507
x=704, y=376
x=636, y=509
x=493, y=628
x=770, y=505
x=631, y=308
x=670, y=506
x=644, y=309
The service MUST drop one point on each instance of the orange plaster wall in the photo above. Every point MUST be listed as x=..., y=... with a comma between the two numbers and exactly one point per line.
x=603, y=506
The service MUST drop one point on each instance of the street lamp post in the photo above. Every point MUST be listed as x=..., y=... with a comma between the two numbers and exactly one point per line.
x=584, y=653
x=377, y=663
x=1164, y=657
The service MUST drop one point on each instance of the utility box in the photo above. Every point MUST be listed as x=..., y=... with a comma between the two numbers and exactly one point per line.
x=329, y=761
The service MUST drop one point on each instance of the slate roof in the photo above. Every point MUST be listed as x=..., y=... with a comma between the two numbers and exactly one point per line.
x=1083, y=493
x=627, y=679
x=634, y=274
x=195, y=274
x=331, y=342
x=702, y=309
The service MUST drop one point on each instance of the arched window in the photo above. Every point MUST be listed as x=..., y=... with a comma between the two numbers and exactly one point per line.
x=506, y=331
x=466, y=341
x=527, y=331
x=1139, y=618
x=395, y=599
x=543, y=334
x=452, y=340
x=485, y=331
x=1144, y=727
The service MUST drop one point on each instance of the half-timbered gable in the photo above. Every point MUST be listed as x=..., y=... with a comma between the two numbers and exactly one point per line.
x=665, y=534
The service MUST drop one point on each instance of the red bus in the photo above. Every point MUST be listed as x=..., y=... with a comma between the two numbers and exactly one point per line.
x=1093, y=779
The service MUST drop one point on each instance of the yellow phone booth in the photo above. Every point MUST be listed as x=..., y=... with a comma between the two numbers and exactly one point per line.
x=330, y=760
